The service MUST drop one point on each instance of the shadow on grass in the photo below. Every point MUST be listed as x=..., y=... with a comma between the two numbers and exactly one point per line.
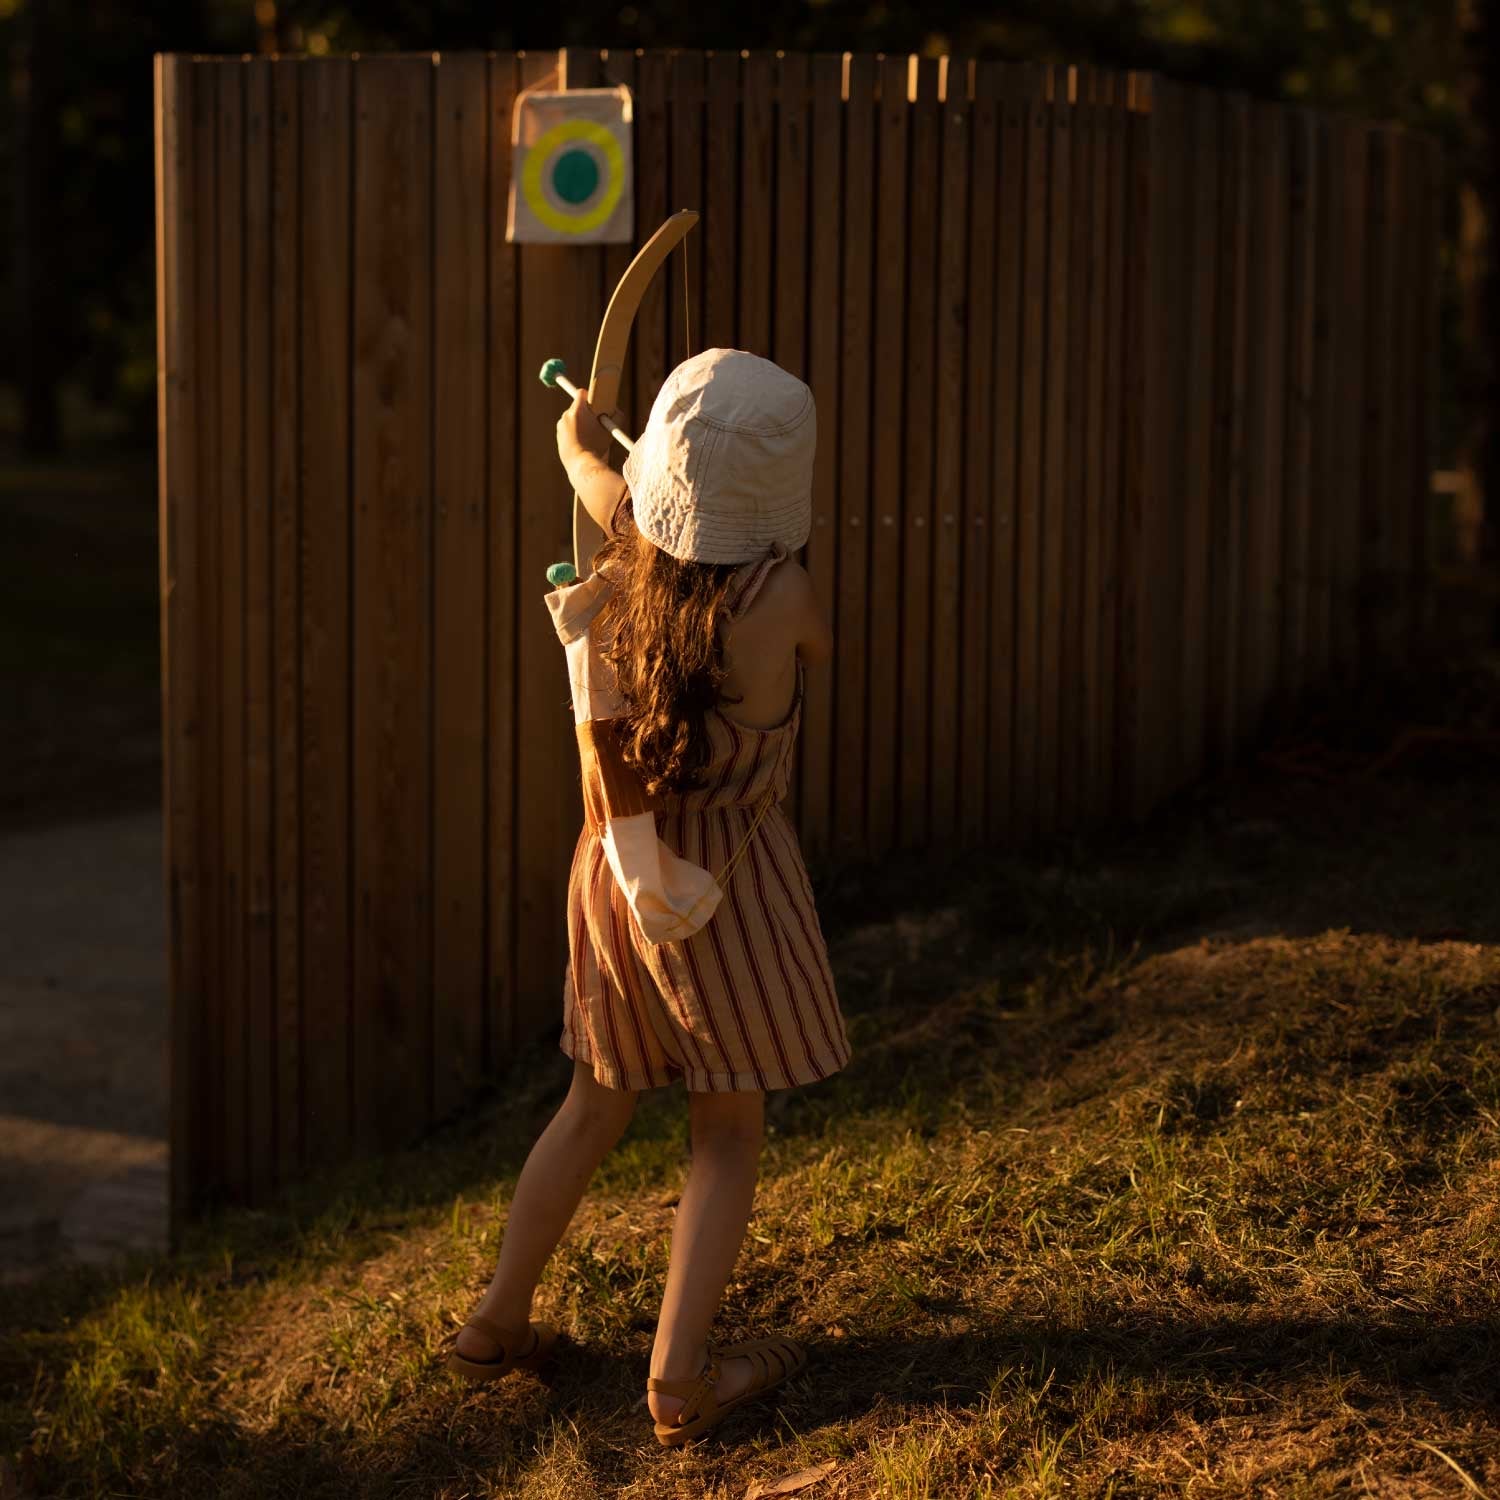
x=1179, y=1361
x=1112, y=1379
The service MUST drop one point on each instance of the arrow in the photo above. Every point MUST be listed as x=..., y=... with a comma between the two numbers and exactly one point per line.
x=552, y=374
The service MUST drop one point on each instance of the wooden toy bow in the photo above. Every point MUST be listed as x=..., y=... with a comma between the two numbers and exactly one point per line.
x=609, y=355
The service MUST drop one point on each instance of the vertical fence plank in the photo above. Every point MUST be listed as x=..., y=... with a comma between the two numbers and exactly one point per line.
x=1140, y=292
x=1093, y=96
x=229, y=564
x=1029, y=507
x=1402, y=309
x=178, y=377
x=1324, y=401
x=503, y=593
x=791, y=248
x=652, y=353
x=1265, y=418
x=1071, y=684
x=916, y=487
x=286, y=538
x=1429, y=169
x=557, y=293
x=260, y=974
x=1404, y=305
x=592, y=265
x=1166, y=600
x=885, y=480
x=211, y=1121
x=685, y=110
x=721, y=220
x=757, y=203
x=587, y=269
x=1200, y=287
x=1055, y=450
x=852, y=432
x=790, y=262
x=1102, y=439
x=948, y=466
x=1229, y=491
x=392, y=595
x=558, y=309
x=1351, y=179
x=760, y=198
x=459, y=412
x=823, y=335
x=1297, y=480
x=971, y=599
x=1376, y=546
x=327, y=620
x=1121, y=229
x=1003, y=417
x=618, y=67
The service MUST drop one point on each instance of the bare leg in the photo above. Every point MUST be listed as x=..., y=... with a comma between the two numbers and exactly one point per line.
x=592, y=1118
x=711, y=1220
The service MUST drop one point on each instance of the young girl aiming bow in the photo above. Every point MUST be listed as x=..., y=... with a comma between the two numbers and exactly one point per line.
x=695, y=950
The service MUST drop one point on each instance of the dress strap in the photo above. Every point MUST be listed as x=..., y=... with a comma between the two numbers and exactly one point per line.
x=752, y=576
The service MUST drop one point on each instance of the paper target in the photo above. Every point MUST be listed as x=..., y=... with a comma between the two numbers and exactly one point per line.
x=571, y=179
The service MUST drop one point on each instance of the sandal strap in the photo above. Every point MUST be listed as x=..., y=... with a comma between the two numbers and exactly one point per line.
x=510, y=1340
x=691, y=1389
x=771, y=1360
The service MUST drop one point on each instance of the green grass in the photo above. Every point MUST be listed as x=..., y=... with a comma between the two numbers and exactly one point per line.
x=1168, y=1164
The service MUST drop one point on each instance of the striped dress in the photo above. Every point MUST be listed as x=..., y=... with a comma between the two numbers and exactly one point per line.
x=746, y=1002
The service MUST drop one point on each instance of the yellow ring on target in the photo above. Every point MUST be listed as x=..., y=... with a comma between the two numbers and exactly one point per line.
x=531, y=176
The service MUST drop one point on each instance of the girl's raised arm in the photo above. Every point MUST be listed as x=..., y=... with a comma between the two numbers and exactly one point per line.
x=583, y=445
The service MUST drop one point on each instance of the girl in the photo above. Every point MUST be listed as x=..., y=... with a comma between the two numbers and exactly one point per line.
x=695, y=949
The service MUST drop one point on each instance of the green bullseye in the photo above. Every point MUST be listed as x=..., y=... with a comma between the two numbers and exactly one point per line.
x=575, y=176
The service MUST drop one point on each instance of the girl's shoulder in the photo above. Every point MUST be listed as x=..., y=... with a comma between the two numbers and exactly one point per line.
x=773, y=585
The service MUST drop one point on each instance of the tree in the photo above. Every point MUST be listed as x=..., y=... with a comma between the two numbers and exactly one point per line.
x=35, y=92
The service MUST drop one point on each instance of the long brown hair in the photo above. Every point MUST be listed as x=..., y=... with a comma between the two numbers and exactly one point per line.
x=662, y=639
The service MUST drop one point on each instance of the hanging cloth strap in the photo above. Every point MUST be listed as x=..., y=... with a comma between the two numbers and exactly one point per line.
x=727, y=873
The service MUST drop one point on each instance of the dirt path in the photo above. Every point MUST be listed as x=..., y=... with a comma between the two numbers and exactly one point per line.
x=83, y=1041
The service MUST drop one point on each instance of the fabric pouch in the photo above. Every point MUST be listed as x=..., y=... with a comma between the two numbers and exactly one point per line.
x=670, y=897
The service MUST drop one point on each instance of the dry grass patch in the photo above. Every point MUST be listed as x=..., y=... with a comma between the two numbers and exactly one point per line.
x=1165, y=1177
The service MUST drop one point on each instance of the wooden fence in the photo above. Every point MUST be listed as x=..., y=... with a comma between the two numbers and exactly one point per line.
x=1125, y=398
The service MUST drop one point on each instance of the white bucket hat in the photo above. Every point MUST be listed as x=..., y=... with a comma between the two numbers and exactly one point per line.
x=724, y=468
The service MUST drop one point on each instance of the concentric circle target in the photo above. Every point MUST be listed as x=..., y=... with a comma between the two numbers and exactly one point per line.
x=573, y=176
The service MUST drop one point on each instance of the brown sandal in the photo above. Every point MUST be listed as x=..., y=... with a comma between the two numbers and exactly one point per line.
x=511, y=1342
x=772, y=1361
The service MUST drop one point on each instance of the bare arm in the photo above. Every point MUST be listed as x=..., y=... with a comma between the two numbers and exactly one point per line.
x=583, y=445
x=792, y=608
x=601, y=489
x=815, y=637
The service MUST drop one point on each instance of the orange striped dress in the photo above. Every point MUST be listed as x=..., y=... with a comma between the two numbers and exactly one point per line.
x=746, y=1002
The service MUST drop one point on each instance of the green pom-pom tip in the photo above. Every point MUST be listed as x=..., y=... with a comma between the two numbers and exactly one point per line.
x=551, y=370
x=561, y=573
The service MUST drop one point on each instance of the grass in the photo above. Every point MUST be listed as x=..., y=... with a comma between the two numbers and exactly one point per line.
x=1167, y=1164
